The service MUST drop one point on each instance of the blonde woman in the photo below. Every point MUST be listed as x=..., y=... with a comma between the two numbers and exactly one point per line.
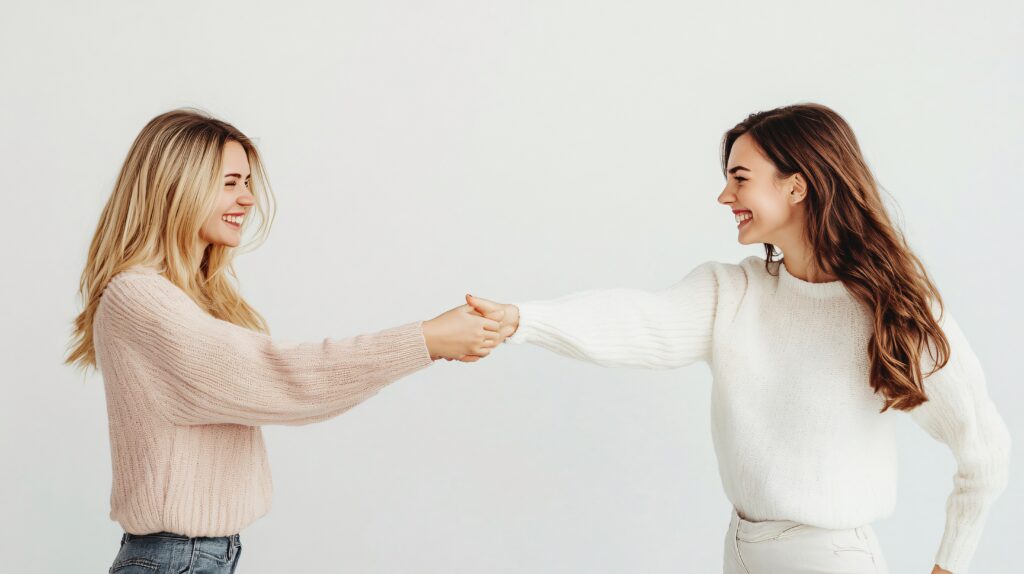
x=811, y=355
x=189, y=369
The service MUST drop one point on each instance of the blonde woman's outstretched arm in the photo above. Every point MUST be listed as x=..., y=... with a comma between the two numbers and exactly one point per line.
x=196, y=369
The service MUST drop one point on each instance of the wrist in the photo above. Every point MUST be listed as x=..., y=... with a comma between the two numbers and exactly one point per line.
x=428, y=337
x=512, y=316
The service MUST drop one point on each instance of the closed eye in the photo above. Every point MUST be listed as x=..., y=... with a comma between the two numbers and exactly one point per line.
x=738, y=178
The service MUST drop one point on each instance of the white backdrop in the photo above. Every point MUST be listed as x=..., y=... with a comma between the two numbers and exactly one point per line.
x=513, y=150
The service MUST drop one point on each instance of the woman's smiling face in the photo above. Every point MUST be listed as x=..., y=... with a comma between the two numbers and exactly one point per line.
x=752, y=190
x=234, y=200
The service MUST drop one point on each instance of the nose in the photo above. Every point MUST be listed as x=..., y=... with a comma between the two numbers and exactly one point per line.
x=725, y=197
x=246, y=198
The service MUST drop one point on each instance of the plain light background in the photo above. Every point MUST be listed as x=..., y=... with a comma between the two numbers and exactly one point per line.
x=514, y=150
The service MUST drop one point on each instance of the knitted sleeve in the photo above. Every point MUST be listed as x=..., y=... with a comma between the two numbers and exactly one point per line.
x=204, y=370
x=624, y=327
x=960, y=414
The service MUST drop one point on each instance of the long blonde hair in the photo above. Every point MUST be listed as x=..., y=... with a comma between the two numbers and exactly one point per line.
x=167, y=188
x=852, y=236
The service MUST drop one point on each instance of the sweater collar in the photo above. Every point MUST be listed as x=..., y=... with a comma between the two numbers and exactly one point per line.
x=825, y=290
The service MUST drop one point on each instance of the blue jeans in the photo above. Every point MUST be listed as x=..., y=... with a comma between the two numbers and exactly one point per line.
x=170, y=553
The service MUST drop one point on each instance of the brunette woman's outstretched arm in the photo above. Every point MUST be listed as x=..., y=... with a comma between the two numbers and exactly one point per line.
x=195, y=369
x=619, y=327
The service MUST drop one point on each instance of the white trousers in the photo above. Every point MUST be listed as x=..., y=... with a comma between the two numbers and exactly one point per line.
x=787, y=547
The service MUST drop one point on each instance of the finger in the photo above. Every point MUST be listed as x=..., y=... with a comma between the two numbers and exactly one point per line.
x=472, y=302
x=484, y=305
x=491, y=325
x=494, y=314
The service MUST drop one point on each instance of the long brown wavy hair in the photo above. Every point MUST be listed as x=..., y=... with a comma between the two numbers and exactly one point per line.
x=167, y=188
x=852, y=237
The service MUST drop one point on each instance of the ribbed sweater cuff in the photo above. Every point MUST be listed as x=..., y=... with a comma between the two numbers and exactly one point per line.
x=408, y=349
x=962, y=534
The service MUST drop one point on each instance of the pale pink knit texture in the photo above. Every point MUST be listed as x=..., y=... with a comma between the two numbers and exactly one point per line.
x=187, y=392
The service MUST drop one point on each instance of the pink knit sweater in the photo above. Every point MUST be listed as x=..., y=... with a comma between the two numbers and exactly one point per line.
x=186, y=395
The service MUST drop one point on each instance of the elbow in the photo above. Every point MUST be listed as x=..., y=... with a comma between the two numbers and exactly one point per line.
x=1004, y=461
x=998, y=464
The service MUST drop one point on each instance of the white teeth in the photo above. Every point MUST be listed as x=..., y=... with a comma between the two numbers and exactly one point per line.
x=236, y=219
x=742, y=216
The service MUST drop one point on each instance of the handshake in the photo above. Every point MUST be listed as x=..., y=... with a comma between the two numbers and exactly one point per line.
x=469, y=332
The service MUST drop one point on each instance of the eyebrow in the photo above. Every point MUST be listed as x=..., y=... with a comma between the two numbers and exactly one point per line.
x=236, y=175
x=737, y=168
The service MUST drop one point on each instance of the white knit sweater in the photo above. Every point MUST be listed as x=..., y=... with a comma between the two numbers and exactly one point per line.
x=795, y=424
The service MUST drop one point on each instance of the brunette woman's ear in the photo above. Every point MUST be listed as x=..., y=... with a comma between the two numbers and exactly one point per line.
x=798, y=188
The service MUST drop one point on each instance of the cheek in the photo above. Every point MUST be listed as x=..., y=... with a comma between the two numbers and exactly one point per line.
x=213, y=226
x=768, y=206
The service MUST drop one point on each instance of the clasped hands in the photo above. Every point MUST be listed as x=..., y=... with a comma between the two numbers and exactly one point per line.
x=470, y=332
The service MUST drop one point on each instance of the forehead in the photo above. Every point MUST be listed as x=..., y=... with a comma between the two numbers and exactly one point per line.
x=234, y=158
x=746, y=152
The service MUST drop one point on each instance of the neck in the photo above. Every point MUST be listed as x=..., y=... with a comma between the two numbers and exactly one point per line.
x=805, y=270
x=800, y=264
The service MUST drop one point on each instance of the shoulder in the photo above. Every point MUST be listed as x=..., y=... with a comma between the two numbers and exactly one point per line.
x=139, y=293
x=134, y=281
x=733, y=277
x=755, y=268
